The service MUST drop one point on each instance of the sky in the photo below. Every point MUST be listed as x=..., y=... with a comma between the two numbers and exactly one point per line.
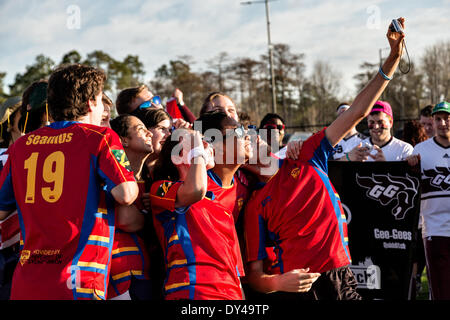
x=342, y=33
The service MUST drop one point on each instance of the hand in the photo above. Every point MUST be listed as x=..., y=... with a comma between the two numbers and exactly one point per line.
x=395, y=39
x=178, y=94
x=297, y=280
x=359, y=153
x=293, y=149
x=413, y=160
x=180, y=123
x=379, y=156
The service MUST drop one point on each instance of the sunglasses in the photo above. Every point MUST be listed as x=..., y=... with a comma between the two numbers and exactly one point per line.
x=274, y=126
x=238, y=132
x=155, y=100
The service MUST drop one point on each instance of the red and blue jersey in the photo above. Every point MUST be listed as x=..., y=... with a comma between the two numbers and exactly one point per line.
x=56, y=177
x=202, y=255
x=129, y=257
x=300, y=212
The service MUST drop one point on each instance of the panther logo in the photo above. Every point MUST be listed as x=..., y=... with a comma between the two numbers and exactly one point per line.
x=401, y=191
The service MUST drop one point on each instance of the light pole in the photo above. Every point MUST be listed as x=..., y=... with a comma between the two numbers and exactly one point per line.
x=272, y=73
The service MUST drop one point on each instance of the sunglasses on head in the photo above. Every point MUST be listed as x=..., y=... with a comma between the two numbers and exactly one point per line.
x=274, y=126
x=155, y=100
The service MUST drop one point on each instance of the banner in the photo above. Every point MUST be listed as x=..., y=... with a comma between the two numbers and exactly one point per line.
x=382, y=202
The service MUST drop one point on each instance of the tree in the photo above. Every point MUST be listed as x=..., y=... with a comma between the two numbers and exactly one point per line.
x=71, y=57
x=436, y=68
x=41, y=69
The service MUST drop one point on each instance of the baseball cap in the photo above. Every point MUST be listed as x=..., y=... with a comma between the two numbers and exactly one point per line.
x=8, y=107
x=443, y=106
x=382, y=106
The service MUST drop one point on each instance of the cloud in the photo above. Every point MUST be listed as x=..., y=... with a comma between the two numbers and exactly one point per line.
x=158, y=31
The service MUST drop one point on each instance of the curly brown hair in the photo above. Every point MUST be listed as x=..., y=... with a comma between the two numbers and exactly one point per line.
x=70, y=88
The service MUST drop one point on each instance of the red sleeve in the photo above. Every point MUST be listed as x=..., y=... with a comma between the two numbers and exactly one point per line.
x=163, y=195
x=113, y=162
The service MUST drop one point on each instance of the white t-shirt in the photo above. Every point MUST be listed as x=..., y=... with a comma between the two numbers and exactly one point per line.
x=435, y=201
x=346, y=145
x=394, y=150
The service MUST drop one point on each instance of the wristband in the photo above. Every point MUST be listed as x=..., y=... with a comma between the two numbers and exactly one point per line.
x=197, y=152
x=383, y=75
x=348, y=158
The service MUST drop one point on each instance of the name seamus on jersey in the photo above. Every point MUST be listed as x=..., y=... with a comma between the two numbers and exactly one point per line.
x=59, y=139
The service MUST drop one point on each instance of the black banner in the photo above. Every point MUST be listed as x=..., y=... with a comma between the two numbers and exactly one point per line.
x=382, y=202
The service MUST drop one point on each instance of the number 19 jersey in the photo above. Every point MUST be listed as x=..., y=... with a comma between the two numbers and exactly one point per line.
x=55, y=176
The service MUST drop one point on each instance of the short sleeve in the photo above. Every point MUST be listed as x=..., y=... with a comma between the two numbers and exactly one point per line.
x=163, y=195
x=113, y=163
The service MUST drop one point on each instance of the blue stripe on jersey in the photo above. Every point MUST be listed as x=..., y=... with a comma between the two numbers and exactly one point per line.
x=61, y=124
x=7, y=198
x=322, y=154
x=141, y=253
x=337, y=210
x=22, y=228
x=181, y=228
x=262, y=254
x=91, y=207
x=110, y=217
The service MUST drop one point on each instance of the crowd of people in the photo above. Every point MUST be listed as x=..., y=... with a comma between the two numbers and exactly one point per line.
x=156, y=203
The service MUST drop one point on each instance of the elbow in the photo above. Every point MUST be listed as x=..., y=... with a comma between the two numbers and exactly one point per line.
x=128, y=194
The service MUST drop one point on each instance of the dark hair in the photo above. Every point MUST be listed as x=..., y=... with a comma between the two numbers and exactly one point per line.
x=164, y=168
x=152, y=116
x=34, y=119
x=414, y=132
x=126, y=97
x=209, y=98
x=70, y=88
x=268, y=117
x=120, y=124
x=212, y=120
x=426, y=111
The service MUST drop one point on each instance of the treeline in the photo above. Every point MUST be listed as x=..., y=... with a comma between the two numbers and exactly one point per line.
x=304, y=100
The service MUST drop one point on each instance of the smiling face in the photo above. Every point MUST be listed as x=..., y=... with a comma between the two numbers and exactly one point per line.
x=428, y=124
x=139, y=139
x=442, y=125
x=160, y=133
x=235, y=151
x=380, y=125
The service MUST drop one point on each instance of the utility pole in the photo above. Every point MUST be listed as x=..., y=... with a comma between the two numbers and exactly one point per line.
x=270, y=47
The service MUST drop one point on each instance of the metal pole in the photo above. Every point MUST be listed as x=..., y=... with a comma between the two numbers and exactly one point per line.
x=272, y=73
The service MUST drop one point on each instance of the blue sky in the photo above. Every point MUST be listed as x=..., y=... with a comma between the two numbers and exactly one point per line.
x=343, y=33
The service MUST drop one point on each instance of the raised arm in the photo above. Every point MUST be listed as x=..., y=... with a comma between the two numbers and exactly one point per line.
x=364, y=101
x=194, y=176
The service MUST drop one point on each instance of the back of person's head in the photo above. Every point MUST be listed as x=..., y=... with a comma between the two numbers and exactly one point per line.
x=414, y=132
x=125, y=99
x=70, y=88
x=34, y=106
x=120, y=125
x=152, y=116
x=268, y=117
x=426, y=111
